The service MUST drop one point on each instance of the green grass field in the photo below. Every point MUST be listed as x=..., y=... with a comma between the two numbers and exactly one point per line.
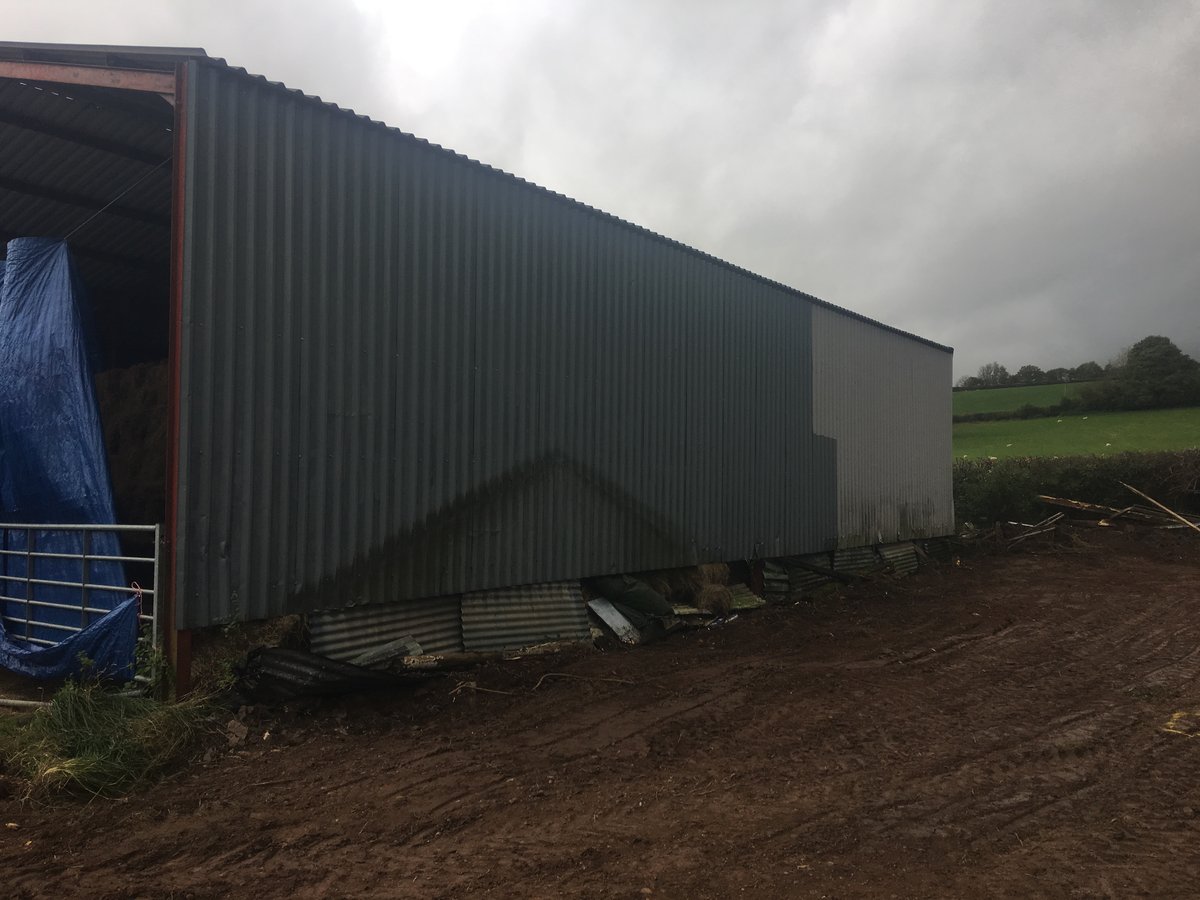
x=1095, y=433
x=1005, y=399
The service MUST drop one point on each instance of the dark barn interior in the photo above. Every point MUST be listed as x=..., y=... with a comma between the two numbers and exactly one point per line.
x=91, y=165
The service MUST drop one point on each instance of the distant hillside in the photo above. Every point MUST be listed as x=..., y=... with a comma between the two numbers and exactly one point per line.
x=1007, y=399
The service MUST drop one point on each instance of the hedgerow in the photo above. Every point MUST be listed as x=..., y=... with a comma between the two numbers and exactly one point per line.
x=988, y=491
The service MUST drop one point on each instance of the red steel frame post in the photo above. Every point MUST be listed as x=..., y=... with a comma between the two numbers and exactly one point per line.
x=178, y=643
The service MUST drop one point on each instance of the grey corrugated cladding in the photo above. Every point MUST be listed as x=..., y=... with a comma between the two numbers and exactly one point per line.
x=405, y=374
x=884, y=399
x=434, y=622
x=523, y=616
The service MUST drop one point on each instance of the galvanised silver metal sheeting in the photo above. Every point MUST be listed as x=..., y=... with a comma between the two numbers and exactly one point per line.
x=404, y=374
x=883, y=398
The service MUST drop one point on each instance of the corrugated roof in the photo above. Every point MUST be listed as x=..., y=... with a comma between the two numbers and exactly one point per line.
x=164, y=58
x=70, y=151
x=118, y=55
x=67, y=153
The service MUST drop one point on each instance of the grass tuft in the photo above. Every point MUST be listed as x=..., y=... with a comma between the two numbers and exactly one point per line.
x=92, y=741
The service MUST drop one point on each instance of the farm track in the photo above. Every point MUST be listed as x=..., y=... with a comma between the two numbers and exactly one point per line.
x=993, y=729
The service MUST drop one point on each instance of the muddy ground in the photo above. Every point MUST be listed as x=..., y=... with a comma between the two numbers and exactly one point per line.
x=993, y=729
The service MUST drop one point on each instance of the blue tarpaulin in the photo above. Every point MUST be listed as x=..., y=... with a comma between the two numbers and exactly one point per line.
x=108, y=645
x=54, y=470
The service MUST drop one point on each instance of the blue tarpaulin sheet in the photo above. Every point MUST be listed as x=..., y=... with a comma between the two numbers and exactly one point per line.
x=107, y=647
x=54, y=470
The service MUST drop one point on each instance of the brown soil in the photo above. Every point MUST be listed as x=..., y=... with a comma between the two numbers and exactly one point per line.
x=991, y=729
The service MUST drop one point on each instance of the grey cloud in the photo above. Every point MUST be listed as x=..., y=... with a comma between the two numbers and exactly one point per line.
x=1013, y=178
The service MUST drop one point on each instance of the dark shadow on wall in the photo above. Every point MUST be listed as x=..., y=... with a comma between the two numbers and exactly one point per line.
x=555, y=508
x=549, y=517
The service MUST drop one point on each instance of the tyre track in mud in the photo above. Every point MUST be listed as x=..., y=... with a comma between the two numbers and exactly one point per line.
x=1035, y=755
x=994, y=728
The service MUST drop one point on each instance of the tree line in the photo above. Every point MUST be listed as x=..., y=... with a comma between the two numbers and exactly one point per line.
x=995, y=375
x=1152, y=374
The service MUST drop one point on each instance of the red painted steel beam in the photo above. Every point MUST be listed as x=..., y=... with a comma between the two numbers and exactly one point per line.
x=96, y=76
x=178, y=642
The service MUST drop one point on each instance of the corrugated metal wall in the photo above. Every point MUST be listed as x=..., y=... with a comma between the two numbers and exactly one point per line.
x=434, y=622
x=524, y=616
x=885, y=400
x=405, y=374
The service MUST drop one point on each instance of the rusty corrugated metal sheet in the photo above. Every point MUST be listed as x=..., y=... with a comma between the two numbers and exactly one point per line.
x=524, y=616
x=775, y=580
x=886, y=402
x=803, y=580
x=855, y=560
x=901, y=557
x=435, y=623
x=939, y=549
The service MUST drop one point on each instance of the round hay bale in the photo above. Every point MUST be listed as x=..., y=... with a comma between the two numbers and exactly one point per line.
x=660, y=585
x=687, y=583
x=677, y=585
x=714, y=573
x=715, y=598
x=134, y=412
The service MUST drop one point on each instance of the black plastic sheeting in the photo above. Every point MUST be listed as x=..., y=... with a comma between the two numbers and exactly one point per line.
x=54, y=470
x=275, y=674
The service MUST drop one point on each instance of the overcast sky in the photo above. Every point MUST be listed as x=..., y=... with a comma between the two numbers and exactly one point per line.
x=1019, y=179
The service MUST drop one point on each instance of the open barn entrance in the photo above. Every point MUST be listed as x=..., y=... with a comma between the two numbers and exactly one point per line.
x=85, y=157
